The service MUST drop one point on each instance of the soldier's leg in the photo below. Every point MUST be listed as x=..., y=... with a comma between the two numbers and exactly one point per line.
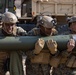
x=46, y=69
x=3, y=57
x=2, y=72
x=33, y=69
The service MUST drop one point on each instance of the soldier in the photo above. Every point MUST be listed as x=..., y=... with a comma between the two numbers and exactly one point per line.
x=9, y=28
x=37, y=61
x=68, y=61
x=0, y=20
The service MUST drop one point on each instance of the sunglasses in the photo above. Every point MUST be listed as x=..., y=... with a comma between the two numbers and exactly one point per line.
x=9, y=24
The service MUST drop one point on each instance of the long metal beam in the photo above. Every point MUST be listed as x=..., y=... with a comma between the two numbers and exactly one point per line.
x=28, y=42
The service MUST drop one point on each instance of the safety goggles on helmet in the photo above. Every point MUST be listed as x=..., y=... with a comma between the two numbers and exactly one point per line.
x=9, y=24
x=46, y=21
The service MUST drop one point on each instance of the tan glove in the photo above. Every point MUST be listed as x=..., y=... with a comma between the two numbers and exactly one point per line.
x=52, y=45
x=54, y=31
x=70, y=45
x=39, y=46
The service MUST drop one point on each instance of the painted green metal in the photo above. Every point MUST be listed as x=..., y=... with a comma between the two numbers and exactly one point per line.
x=28, y=42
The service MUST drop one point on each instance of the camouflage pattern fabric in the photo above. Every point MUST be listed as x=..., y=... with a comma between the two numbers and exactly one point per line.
x=33, y=68
x=5, y=55
x=34, y=32
x=62, y=69
x=37, y=69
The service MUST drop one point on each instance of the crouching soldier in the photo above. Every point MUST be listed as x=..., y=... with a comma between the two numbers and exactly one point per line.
x=37, y=62
x=9, y=28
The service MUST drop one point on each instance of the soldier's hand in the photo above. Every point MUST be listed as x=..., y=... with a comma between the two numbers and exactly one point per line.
x=52, y=45
x=39, y=46
x=54, y=31
x=70, y=45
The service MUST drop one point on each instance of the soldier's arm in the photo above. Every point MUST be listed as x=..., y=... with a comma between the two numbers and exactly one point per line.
x=30, y=33
x=21, y=31
x=33, y=32
x=54, y=31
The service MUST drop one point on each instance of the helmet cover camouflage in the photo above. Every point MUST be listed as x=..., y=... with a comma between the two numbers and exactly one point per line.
x=9, y=17
x=46, y=21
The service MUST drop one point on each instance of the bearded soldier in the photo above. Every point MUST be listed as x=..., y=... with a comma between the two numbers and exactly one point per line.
x=37, y=61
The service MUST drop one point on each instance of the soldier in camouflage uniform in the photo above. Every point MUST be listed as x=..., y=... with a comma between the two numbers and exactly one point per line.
x=1, y=20
x=37, y=61
x=8, y=28
x=68, y=61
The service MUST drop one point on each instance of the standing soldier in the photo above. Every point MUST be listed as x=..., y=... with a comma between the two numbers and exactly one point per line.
x=9, y=28
x=37, y=61
x=68, y=61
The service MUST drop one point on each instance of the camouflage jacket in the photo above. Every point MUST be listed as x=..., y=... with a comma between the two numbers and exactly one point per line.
x=5, y=55
x=36, y=31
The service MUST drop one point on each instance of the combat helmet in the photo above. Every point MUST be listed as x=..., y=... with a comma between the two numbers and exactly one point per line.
x=9, y=17
x=71, y=20
x=46, y=21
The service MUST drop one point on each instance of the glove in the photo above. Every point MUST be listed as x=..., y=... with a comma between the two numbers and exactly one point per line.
x=71, y=45
x=39, y=46
x=54, y=31
x=52, y=45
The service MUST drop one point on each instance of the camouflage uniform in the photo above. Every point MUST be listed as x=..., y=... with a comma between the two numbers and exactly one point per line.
x=5, y=55
x=63, y=69
x=35, y=68
x=9, y=28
